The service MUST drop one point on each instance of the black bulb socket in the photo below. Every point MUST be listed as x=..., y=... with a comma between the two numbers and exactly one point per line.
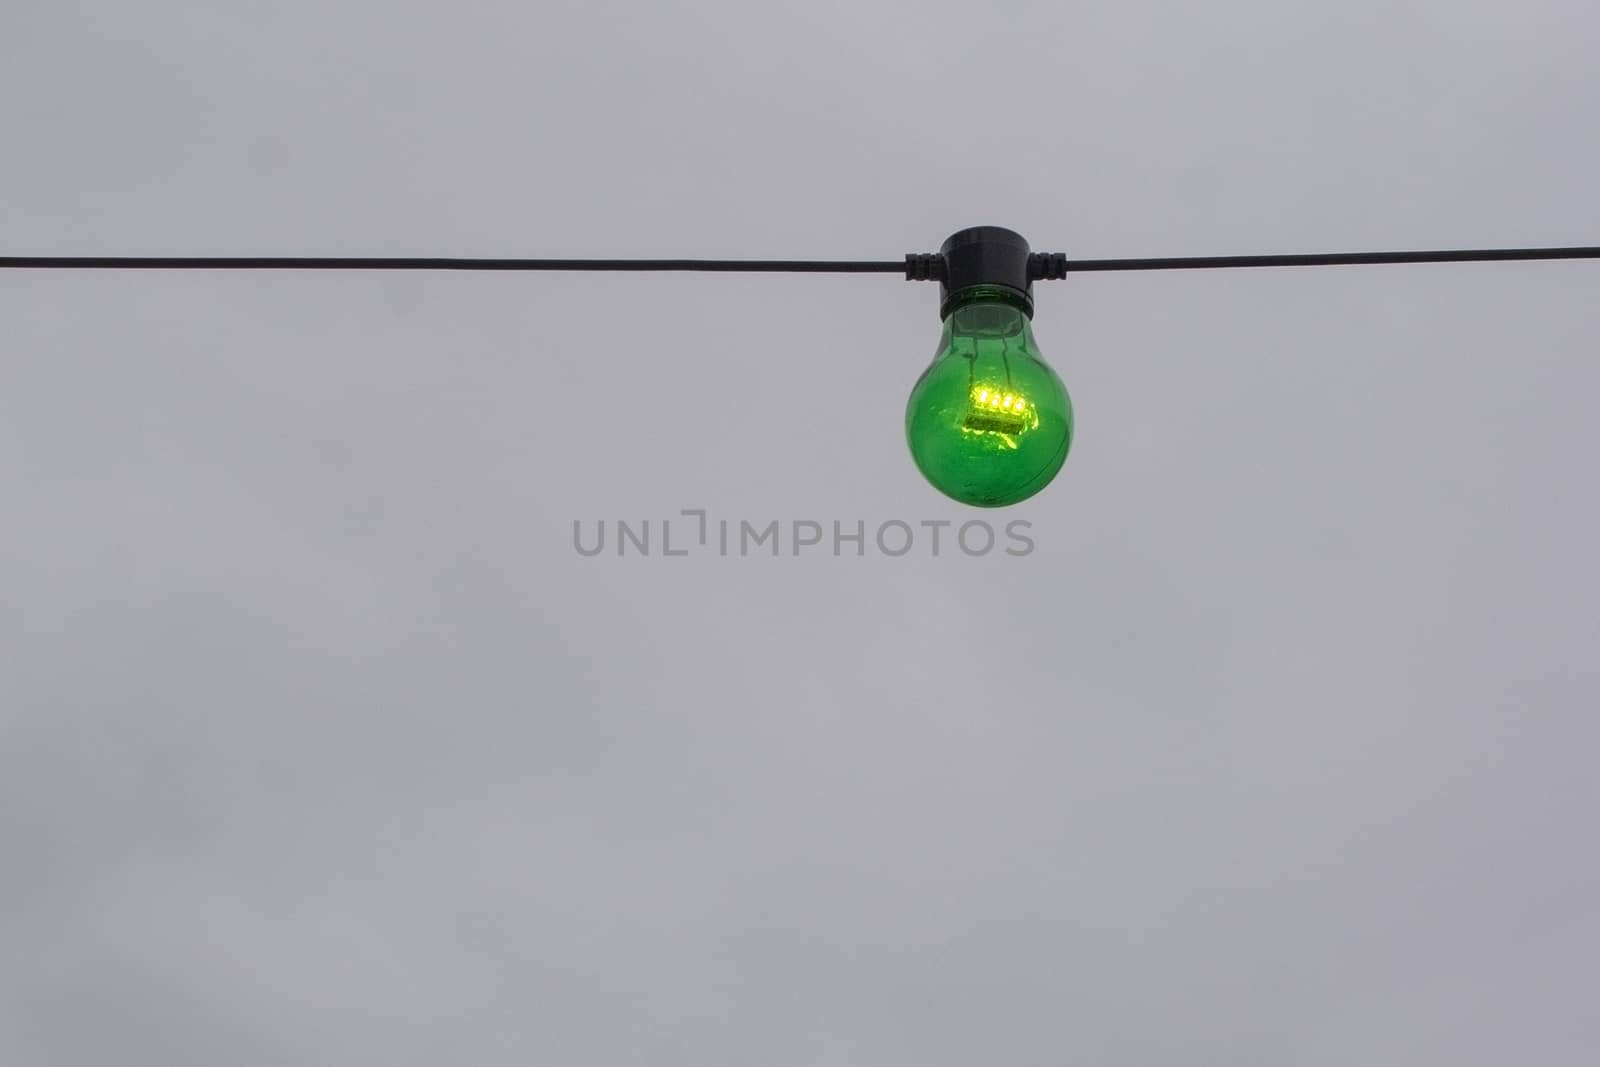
x=991, y=257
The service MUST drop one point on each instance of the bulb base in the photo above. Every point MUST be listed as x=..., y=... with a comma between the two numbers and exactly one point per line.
x=992, y=257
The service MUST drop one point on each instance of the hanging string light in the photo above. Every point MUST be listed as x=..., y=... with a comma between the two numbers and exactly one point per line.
x=988, y=422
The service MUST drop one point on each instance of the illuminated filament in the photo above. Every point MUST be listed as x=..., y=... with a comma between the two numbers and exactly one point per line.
x=998, y=411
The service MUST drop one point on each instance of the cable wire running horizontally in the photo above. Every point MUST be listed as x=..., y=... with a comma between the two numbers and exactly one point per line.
x=803, y=266
x=916, y=266
x=1334, y=259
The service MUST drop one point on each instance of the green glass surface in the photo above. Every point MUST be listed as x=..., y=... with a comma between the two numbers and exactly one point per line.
x=989, y=423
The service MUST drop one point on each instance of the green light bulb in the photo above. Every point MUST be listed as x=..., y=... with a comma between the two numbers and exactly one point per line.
x=989, y=423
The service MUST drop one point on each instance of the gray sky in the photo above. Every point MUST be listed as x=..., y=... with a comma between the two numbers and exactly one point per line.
x=319, y=743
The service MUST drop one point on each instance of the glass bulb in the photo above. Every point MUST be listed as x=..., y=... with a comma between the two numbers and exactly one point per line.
x=989, y=423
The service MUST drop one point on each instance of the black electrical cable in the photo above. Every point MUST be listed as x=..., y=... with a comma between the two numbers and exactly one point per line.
x=437, y=263
x=920, y=266
x=1333, y=259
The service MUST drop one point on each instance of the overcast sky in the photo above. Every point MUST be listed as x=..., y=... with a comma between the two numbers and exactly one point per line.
x=321, y=745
